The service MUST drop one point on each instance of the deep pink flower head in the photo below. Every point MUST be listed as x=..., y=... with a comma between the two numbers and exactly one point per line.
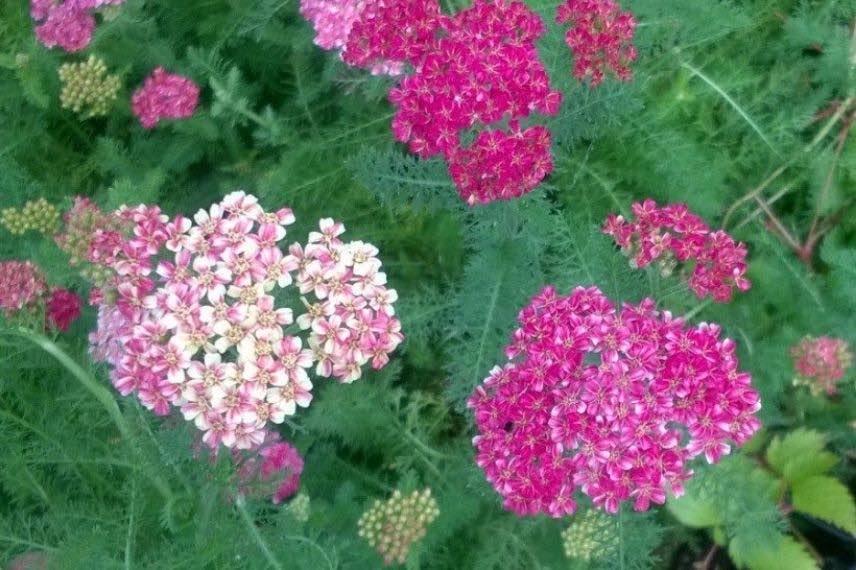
x=673, y=235
x=392, y=32
x=22, y=286
x=600, y=38
x=62, y=309
x=164, y=96
x=275, y=467
x=500, y=165
x=477, y=69
x=821, y=363
x=591, y=399
x=66, y=23
x=483, y=70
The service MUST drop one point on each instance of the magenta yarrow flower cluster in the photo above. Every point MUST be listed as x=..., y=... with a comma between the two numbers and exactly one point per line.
x=600, y=37
x=273, y=469
x=477, y=69
x=190, y=319
x=592, y=398
x=672, y=234
x=821, y=363
x=164, y=96
x=68, y=24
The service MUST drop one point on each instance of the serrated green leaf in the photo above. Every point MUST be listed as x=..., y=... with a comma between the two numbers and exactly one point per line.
x=799, y=455
x=694, y=512
x=827, y=499
x=788, y=555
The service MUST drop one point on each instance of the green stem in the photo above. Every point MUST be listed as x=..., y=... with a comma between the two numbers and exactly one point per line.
x=86, y=380
x=241, y=503
x=93, y=387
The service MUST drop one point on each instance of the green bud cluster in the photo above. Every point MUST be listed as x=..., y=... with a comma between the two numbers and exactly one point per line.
x=391, y=527
x=299, y=507
x=38, y=215
x=87, y=89
x=590, y=536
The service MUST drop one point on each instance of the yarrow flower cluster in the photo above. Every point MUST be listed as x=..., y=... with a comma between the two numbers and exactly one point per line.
x=392, y=527
x=351, y=319
x=37, y=215
x=821, y=363
x=62, y=309
x=24, y=290
x=473, y=70
x=22, y=287
x=591, y=400
x=274, y=469
x=600, y=38
x=164, y=96
x=671, y=235
x=68, y=24
x=589, y=536
x=87, y=88
x=189, y=318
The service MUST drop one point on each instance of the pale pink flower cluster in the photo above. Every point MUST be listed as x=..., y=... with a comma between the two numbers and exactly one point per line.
x=68, y=24
x=478, y=69
x=273, y=469
x=351, y=317
x=164, y=96
x=600, y=38
x=592, y=400
x=190, y=319
x=672, y=234
x=821, y=363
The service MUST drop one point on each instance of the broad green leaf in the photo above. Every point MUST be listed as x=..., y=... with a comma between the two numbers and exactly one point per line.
x=694, y=512
x=788, y=554
x=827, y=499
x=800, y=454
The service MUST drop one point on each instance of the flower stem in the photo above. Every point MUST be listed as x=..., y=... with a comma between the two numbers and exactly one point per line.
x=241, y=503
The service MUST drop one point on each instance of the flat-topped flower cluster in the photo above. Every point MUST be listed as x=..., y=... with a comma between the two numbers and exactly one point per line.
x=821, y=363
x=190, y=314
x=164, y=95
x=600, y=37
x=477, y=69
x=673, y=235
x=592, y=398
x=68, y=24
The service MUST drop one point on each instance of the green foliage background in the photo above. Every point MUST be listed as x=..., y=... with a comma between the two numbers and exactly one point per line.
x=725, y=93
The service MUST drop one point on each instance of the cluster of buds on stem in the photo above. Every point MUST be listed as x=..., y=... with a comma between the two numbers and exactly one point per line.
x=392, y=527
x=87, y=88
x=37, y=215
x=589, y=536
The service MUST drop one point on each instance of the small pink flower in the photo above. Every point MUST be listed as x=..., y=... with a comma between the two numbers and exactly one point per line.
x=66, y=24
x=164, y=96
x=600, y=38
x=821, y=363
x=63, y=308
x=673, y=235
